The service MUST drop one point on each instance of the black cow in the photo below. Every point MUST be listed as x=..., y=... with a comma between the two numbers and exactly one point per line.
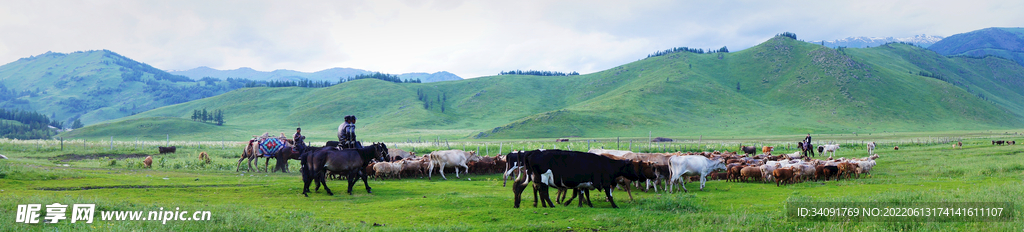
x=750, y=150
x=170, y=149
x=574, y=170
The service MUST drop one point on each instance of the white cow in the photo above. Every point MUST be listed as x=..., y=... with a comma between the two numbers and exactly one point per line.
x=691, y=165
x=618, y=153
x=456, y=158
x=871, y=148
x=830, y=148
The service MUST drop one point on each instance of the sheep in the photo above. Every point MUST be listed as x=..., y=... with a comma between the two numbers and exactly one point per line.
x=750, y=172
x=782, y=175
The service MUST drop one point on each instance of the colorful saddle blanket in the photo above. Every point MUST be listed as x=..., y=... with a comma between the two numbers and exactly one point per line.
x=271, y=146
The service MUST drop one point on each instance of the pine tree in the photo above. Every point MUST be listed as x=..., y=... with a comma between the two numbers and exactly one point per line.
x=77, y=124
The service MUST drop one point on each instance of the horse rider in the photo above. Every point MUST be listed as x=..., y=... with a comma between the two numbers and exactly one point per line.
x=347, y=133
x=807, y=141
x=299, y=139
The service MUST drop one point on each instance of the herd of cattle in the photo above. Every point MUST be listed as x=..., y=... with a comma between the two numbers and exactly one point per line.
x=605, y=170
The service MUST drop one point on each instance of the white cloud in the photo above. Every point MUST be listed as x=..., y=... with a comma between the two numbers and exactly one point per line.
x=468, y=38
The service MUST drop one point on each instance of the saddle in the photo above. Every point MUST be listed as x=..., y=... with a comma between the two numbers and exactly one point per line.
x=271, y=146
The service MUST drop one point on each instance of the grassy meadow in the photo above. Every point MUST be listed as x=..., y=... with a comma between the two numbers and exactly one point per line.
x=925, y=169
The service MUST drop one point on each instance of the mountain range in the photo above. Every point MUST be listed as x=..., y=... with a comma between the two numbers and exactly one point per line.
x=863, y=41
x=332, y=74
x=1001, y=42
x=781, y=86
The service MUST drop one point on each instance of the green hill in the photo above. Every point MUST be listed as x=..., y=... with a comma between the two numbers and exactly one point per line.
x=1006, y=42
x=94, y=86
x=781, y=86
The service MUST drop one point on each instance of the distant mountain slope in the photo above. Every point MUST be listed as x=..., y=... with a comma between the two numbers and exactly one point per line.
x=782, y=86
x=95, y=86
x=1001, y=42
x=863, y=42
x=332, y=74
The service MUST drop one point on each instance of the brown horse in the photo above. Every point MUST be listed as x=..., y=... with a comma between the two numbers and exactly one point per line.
x=350, y=161
x=807, y=148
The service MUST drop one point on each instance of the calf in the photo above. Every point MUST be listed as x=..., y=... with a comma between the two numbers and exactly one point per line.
x=767, y=150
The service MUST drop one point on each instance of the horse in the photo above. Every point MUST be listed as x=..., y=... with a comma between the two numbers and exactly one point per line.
x=807, y=148
x=351, y=161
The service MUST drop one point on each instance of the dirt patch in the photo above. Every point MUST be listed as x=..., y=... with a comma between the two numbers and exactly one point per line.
x=141, y=187
x=77, y=157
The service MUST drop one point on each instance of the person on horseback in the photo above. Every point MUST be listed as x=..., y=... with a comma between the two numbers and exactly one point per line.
x=807, y=145
x=347, y=133
x=299, y=139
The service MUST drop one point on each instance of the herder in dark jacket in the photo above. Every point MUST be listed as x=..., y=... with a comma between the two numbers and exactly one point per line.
x=347, y=133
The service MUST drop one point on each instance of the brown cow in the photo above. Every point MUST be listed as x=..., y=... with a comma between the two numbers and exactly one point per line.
x=767, y=150
x=148, y=161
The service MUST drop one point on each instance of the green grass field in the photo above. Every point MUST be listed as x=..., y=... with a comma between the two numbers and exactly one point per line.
x=925, y=169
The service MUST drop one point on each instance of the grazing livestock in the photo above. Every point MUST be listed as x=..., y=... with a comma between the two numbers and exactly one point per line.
x=619, y=153
x=661, y=139
x=767, y=171
x=691, y=166
x=561, y=140
x=248, y=152
x=148, y=161
x=750, y=172
x=749, y=150
x=831, y=171
x=204, y=157
x=955, y=145
x=399, y=154
x=414, y=167
x=733, y=171
x=576, y=170
x=896, y=148
x=782, y=175
x=848, y=170
x=513, y=160
x=387, y=170
x=1011, y=142
x=829, y=148
x=767, y=150
x=998, y=142
x=871, y=147
x=794, y=155
x=351, y=161
x=170, y=149
x=454, y=158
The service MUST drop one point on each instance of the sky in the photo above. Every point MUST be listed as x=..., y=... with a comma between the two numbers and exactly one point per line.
x=467, y=38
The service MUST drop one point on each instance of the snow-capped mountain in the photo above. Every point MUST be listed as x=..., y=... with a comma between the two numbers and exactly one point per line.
x=862, y=41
